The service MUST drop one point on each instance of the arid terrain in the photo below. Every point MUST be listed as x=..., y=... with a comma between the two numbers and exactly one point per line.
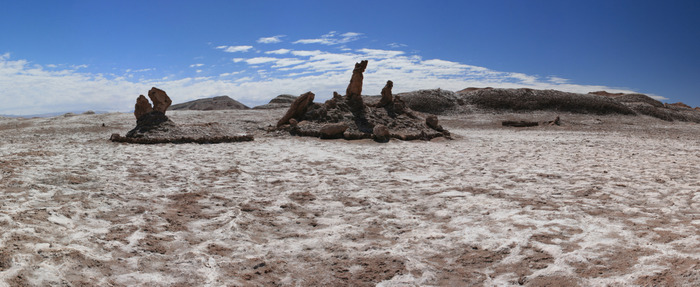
x=598, y=201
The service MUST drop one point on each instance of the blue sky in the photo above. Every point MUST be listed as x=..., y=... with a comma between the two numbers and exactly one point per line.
x=77, y=55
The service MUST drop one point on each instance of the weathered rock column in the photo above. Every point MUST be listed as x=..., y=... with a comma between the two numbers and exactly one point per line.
x=354, y=90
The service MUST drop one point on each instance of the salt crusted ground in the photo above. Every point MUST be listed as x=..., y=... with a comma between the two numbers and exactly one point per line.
x=599, y=201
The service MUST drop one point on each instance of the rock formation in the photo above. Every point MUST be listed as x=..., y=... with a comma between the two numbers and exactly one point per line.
x=153, y=126
x=160, y=100
x=298, y=108
x=350, y=118
x=142, y=107
x=387, y=98
x=354, y=90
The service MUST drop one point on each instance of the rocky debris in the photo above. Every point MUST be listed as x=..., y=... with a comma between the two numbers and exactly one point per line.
x=555, y=122
x=160, y=100
x=210, y=104
x=350, y=118
x=281, y=101
x=142, y=107
x=334, y=130
x=153, y=126
x=298, y=108
x=387, y=98
x=89, y=112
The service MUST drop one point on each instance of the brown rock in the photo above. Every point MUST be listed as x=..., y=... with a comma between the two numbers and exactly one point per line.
x=432, y=122
x=142, y=107
x=160, y=99
x=354, y=90
x=298, y=108
x=381, y=133
x=387, y=98
x=334, y=130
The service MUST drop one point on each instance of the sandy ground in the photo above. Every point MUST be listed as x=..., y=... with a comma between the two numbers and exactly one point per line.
x=598, y=201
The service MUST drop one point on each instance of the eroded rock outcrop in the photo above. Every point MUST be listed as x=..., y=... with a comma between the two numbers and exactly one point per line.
x=153, y=126
x=387, y=98
x=350, y=118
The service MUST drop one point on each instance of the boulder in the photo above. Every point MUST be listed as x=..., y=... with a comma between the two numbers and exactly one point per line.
x=432, y=122
x=387, y=98
x=332, y=131
x=142, y=107
x=381, y=133
x=297, y=109
x=161, y=101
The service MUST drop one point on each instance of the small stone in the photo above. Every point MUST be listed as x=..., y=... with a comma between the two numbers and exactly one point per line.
x=381, y=133
x=334, y=130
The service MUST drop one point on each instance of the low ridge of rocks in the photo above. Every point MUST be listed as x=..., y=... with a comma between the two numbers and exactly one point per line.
x=440, y=102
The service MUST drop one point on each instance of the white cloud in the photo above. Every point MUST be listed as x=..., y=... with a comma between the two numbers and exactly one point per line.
x=196, y=65
x=34, y=90
x=332, y=38
x=279, y=51
x=260, y=60
x=396, y=45
x=234, y=49
x=270, y=40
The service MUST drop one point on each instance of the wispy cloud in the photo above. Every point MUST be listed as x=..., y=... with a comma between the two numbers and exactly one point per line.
x=332, y=38
x=196, y=65
x=270, y=40
x=279, y=51
x=234, y=49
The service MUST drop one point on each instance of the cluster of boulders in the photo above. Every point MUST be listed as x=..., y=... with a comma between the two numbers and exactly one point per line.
x=349, y=117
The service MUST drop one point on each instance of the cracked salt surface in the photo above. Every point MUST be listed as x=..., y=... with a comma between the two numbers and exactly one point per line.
x=592, y=203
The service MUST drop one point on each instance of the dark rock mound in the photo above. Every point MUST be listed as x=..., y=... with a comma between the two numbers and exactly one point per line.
x=210, y=104
x=279, y=102
x=349, y=117
x=638, y=98
x=522, y=100
x=435, y=102
x=153, y=126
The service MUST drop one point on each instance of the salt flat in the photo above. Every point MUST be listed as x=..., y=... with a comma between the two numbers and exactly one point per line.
x=601, y=200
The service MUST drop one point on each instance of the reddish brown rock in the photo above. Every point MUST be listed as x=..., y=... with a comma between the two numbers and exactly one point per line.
x=142, y=107
x=387, y=98
x=334, y=130
x=298, y=108
x=678, y=105
x=381, y=133
x=160, y=99
x=354, y=90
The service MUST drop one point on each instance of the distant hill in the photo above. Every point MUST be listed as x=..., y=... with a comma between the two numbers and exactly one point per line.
x=279, y=102
x=210, y=104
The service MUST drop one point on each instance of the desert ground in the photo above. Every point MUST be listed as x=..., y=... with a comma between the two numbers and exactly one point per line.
x=597, y=201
